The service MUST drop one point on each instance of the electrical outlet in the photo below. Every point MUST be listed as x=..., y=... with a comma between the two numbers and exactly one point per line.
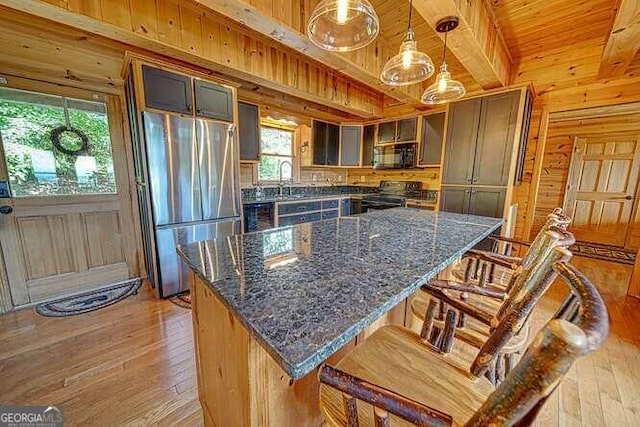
x=361, y=178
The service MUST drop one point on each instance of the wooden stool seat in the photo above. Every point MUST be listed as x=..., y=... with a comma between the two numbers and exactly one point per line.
x=393, y=355
x=474, y=332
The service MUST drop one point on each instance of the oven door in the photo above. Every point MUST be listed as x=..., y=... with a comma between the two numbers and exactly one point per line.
x=371, y=205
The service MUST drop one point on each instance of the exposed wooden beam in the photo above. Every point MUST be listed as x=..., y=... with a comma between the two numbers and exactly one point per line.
x=477, y=42
x=183, y=31
x=624, y=40
x=271, y=22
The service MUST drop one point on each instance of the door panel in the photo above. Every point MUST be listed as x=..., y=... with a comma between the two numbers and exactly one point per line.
x=462, y=130
x=214, y=101
x=387, y=132
x=319, y=143
x=487, y=202
x=167, y=91
x=350, y=145
x=495, y=139
x=172, y=160
x=455, y=199
x=217, y=169
x=333, y=144
x=368, y=143
x=601, y=187
x=249, y=131
x=432, y=136
x=408, y=130
x=72, y=227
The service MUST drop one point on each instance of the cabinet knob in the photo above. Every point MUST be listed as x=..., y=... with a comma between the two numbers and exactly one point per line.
x=6, y=210
x=467, y=191
x=474, y=180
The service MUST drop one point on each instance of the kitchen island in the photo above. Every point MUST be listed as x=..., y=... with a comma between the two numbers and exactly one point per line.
x=270, y=307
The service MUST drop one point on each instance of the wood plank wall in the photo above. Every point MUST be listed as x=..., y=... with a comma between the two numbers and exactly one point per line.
x=187, y=32
x=565, y=79
x=429, y=177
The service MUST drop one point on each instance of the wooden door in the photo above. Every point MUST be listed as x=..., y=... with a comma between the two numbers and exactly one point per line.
x=214, y=101
x=72, y=225
x=350, y=143
x=368, y=144
x=167, y=91
x=249, y=132
x=496, y=129
x=333, y=144
x=387, y=132
x=455, y=199
x=431, y=142
x=407, y=130
x=319, y=143
x=602, y=184
x=460, y=146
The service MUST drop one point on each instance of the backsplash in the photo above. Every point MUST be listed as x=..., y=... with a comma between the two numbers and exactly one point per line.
x=315, y=190
x=308, y=176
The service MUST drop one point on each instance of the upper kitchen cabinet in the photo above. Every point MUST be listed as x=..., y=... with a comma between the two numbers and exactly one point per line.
x=213, y=101
x=351, y=142
x=398, y=131
x=462, y=131
x=325, y=143
x=481, y=140
x=167, y=91
x=249, y=132
x=496, y=130
x=431, y=140
x=368, y=144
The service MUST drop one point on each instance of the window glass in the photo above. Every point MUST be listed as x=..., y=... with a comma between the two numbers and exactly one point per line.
x=45, y=158
x=277, y=148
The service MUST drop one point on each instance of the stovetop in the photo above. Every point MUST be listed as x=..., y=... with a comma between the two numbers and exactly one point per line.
x=394, y=192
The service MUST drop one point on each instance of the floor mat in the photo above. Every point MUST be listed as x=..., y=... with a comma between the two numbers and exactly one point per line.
x=182, y=300
x=89, y=301
x=604, y=252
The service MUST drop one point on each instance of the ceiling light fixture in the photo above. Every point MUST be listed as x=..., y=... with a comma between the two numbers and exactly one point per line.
x=445, y=89
x=343, y=25
x=409, y=66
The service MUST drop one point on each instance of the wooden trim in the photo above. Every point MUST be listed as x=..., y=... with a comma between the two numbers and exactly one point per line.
x=595, y=112
x=537, y=172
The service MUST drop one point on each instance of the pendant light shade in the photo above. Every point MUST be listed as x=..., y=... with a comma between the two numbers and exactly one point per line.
x=445, y=89
x=343, y=25
x=409, y=66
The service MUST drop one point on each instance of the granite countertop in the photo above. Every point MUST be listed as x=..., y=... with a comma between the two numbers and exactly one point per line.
x=304, y=291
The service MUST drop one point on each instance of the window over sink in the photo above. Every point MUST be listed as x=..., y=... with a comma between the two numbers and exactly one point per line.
x=276, y=147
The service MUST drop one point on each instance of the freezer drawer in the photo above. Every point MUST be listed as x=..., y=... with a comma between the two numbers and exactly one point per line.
x=173, y=273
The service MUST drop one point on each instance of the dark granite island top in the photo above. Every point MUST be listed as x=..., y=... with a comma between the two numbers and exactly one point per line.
x=304, y=291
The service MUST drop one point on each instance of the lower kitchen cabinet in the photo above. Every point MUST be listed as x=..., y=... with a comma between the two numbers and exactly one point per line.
x=299, y=219
x=330, y=214
x=474, y=200
x=298, y=212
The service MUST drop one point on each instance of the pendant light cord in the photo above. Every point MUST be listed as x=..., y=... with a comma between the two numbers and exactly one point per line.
x=444, y=49
x=409, y=29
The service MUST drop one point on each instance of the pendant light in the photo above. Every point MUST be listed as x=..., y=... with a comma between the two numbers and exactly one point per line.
x=409, y=66
x=343, y=25
x=445, y=89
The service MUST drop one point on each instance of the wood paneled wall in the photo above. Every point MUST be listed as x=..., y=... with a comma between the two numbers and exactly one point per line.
x=184, y=31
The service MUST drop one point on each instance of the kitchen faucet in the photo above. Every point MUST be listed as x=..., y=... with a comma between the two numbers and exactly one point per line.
x=281, y=185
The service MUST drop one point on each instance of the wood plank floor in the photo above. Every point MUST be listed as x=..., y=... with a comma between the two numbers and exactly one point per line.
x=133, y=364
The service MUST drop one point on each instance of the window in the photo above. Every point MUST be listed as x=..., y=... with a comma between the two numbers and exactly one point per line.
x=277, y=242
x=276, y=147
x=43, y=157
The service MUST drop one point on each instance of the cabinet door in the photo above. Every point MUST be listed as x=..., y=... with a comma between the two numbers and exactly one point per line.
x=333, y=145
x=407, y=130
x=319, y=143
x=167, y=91
x=494, y=147
x=487, y=202
x=462, y=129
x=368, y=143
x=455, y=199
x=249, y=131
x=432, y=136
x=214, y=101
x=350, y=145
x=387, y=132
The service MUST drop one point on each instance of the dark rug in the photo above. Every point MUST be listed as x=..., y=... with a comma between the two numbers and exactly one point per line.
x=182, y=300
x=604, y=252
x=89, y=301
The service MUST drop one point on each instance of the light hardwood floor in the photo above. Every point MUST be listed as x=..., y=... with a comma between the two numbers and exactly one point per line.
x=132, y=363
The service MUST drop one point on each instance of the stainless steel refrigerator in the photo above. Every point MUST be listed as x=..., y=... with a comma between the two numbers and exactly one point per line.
x=191, y=191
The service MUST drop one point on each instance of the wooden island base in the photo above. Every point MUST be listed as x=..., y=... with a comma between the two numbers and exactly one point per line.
x=239, y=383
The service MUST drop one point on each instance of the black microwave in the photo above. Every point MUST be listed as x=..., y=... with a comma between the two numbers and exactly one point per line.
x=399, y=156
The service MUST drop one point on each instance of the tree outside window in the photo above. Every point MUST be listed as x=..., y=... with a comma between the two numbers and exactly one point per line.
x=277, y=147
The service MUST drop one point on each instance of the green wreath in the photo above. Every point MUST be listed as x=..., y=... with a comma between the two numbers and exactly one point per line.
x=55, y=140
